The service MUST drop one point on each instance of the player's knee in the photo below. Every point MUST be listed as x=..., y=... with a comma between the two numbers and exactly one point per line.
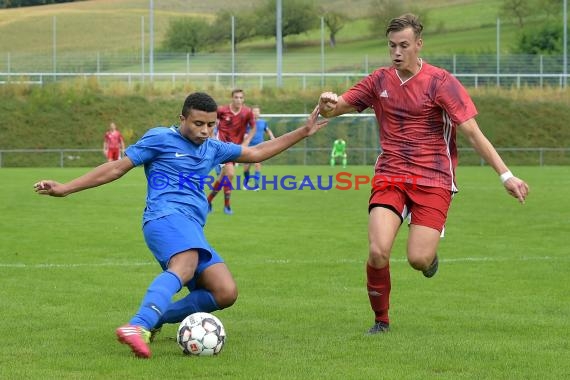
x=378, y=255
x=420, y=261
x=226, y=296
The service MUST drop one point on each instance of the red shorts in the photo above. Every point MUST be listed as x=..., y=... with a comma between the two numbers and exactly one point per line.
x=113, y=154
x=428, y=205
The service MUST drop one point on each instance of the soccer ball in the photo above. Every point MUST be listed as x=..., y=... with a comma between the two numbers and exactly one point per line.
x=201, y=334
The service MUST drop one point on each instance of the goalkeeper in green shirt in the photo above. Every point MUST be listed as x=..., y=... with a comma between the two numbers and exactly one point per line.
x=339, y=150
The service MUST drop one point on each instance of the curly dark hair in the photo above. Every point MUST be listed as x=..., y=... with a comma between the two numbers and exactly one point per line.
x=199, y=101
x=407, y=20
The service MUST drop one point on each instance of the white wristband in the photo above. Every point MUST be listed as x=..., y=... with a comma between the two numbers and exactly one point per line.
x=506, y=176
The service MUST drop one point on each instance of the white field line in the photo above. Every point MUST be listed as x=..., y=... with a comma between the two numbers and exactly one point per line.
x=67, y=266
x=441, y=260
x=283, y=262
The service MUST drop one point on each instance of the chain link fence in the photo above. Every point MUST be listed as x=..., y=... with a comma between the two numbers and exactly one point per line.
x=301, y=70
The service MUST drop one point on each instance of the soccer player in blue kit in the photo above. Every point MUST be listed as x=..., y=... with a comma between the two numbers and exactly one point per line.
x=176, y=160
x=262, y=128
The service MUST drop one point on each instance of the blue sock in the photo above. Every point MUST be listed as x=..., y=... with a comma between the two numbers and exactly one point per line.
x=157, y=300
x=198, y=300
x=256, y=177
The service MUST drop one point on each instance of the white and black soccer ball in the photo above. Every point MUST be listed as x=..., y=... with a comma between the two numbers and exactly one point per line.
x=201, y=334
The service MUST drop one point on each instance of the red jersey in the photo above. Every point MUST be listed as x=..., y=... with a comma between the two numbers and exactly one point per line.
x=113, y=139
x=232, y=127
x=417, y=122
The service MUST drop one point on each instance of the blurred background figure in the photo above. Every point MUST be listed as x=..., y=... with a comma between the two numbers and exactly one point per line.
x=262, y=128
x=113, y=143
x=339, y=150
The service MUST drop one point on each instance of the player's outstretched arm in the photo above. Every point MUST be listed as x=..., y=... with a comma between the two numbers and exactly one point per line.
x=273, y=147
x=100, y=175
x=514, y=186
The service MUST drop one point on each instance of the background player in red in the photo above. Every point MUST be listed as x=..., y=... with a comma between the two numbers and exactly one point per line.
x=233, y=120
x=113, y=143
x=418, y=107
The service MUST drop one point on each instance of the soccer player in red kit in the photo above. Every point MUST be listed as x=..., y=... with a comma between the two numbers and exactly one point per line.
x=418, y=107
x=113, y=143
x=233, y=120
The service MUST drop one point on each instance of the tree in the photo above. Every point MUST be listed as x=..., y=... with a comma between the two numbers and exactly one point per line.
x=187, y=34
x=552, y=8
x=546, y=40
x=334, y=21
x=221, y=30
x=298, y=17
x=518, y=10
x=382, y=11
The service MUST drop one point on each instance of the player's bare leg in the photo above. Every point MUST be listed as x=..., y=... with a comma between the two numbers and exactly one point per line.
x=220, y=282
x=422, y=248
x=215, y=289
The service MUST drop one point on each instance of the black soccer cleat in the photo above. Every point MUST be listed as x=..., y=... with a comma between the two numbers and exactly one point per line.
x=432, y=270
x=154, y=333
x=378, y=328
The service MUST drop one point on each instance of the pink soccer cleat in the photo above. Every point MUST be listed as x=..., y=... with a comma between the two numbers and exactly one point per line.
x=137, y=338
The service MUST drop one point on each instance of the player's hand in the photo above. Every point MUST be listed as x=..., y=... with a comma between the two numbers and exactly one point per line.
x=313, y=124
x=517, y=188
x=327, y=103
x=49, y=187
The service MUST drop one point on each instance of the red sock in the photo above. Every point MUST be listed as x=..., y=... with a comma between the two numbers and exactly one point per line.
x=227, y=195
x=216, y=188
x=379, y=286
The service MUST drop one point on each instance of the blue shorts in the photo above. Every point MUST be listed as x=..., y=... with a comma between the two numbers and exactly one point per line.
x=175, y=233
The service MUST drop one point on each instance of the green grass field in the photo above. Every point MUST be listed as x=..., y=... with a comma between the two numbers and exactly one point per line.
x=74, y=269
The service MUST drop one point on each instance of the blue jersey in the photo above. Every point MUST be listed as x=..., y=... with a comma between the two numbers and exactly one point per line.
x=177, y=171
x=260, y=127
